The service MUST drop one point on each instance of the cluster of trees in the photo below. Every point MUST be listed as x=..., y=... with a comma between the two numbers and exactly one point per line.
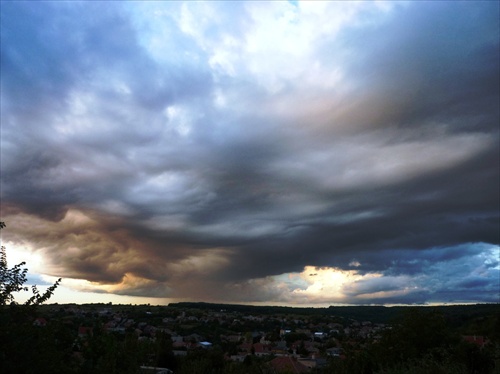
x=421, y=342
x=457, y=315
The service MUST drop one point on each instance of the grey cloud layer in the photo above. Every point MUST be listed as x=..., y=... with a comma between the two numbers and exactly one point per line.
x=190, y=166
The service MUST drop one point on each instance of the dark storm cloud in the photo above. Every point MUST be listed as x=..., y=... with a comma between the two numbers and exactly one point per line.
x=50, y=48
x=439, y=210
x=144, y=149
x=431, y=65
x=53, y=50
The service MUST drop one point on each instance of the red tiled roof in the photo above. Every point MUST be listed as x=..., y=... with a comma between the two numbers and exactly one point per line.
x=260, y=348
x=288, y=364
x=479, y=340
x=85, y=331
x=40, y=321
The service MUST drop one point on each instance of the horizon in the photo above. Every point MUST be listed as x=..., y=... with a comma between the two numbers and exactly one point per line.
x=296, y=153
x=196, y=303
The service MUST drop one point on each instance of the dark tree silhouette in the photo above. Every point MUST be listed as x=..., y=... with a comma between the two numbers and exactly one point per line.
x=24, y=347
x=13, y=280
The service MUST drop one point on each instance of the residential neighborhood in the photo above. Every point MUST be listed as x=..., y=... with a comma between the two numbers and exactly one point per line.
x=167, y=339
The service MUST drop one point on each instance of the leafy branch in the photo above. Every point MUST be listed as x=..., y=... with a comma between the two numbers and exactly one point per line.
x=13, y=280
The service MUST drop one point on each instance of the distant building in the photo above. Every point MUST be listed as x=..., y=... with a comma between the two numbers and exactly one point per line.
x=334, y=352
x=480, y=341
x=40, y=322
x=287, y=364
x=205, y=345
x=154, y=370
x=85, y=332
x=283, y=332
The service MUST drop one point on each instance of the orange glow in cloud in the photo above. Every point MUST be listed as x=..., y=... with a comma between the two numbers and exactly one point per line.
x=326, y=283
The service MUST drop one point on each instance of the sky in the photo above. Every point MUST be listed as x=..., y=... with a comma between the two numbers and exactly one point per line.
x=299, y=153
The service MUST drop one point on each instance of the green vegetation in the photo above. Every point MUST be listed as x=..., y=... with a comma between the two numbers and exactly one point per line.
x=13, y=280
x=421, y=342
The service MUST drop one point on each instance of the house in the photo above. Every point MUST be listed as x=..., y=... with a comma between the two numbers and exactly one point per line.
x=176, y=338
x=238, y=358
x=245, y=347
x=280, y=347
x=313, y=362
x=333, y=352
x=319, y=335
x=179, y=352
x=181, y=344
x=283, y=332
x=258, y=349
x=40, y=322
x=310, y=347
x=155, y=370
x=304, y=331
x=232, y=338
x=193, y=338
x=85, y=332
x=205, y=345
x=287, y=364
x=481, y=341
x=261, y=349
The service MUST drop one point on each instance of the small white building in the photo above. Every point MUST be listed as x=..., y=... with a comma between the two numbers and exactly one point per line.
x=205, y=345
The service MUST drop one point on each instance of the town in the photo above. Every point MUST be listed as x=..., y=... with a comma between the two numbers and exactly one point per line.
x=214, y=338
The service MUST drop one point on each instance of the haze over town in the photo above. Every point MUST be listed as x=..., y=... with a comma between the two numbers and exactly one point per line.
x=287, y=153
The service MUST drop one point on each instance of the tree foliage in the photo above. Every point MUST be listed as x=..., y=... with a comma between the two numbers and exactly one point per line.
x=25, y=348
x=13, y=280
